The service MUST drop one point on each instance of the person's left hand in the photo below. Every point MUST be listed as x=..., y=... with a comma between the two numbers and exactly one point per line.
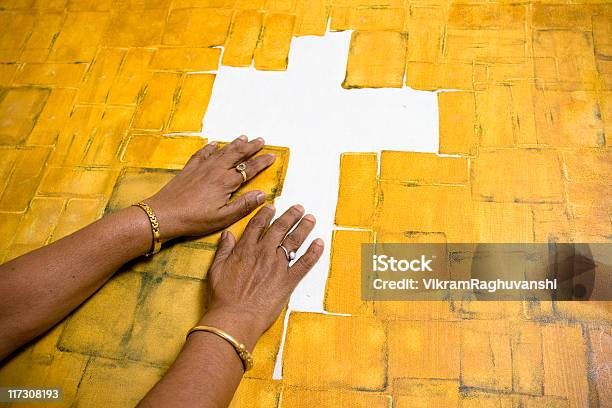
x=196, y=201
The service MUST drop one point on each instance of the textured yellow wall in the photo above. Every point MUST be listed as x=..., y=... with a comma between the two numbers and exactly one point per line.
x=97, y=101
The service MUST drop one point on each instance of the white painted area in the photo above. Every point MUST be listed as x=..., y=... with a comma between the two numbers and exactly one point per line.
x=306, y=109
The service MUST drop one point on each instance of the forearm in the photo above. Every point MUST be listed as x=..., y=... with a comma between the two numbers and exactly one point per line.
x=208, y=369
x=38, y=289
x=41, y=287
x=250, y=283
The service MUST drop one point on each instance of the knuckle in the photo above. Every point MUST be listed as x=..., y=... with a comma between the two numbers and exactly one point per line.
x=299, y=270
x=259, y=161
x=208, y=149
x=246, y=205
x=282, y=224
x=241, y=150
x=309, y=259
x=295, y=212
x=258, y=222
x=292, y=241
x=237, y=144
x=197, y=155
x=228, y=183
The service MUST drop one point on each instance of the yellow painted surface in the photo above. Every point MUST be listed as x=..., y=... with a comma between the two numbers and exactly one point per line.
x=272, y=48
x=150, y=150
x=427, y=208
x=424, y=393
x=503, y=222
x=89, y=91
x=343, y=288
x=156, y=106
x=311, y=17
x=527, y=370
x=242, y=39
x=376, y=60
x=367, y=18
x=133, y=75
x=101, y=75
x=424, y=349
x=357, y=189
x=191, y=103
x=304, y=397
x=101, y=374
x=457, y=121
x=53, y=117
x=486, y=360
x=135, y=27
x=186, y=59
x=519, y=169
x=565, y=344
x=335, y=340
x=423, y=168
x=79, y=37
x=203, y=27
x=267, y=349
x=19, y=109
x=59, y=74
x=265, y=392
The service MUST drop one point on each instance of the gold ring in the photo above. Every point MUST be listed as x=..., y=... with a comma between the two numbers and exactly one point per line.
x=240, y=168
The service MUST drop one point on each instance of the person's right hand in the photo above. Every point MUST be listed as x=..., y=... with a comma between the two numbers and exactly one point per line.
x=250, y=281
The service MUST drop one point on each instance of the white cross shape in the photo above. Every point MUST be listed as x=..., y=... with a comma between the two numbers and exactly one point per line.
x=306, y=109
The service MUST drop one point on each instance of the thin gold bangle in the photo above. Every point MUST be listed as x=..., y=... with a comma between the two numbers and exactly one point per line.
x=243, y=353
x=156, y=243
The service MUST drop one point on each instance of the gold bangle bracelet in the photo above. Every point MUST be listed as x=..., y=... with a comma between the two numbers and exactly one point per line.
x=156, y=244
x=243, y=353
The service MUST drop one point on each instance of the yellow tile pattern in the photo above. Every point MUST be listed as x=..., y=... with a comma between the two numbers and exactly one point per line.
x=97, y=103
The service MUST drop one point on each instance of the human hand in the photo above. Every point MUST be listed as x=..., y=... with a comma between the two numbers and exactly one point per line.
x=250, y=281
x=196, y=201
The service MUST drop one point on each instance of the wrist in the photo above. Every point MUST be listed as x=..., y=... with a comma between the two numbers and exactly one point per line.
x=168, y=227
x=244, y=326
x=139, y=229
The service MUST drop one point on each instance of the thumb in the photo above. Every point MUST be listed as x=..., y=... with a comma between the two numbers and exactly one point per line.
x=224, y=247
x=243, y=206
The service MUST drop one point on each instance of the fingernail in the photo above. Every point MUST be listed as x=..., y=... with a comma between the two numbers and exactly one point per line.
x=271, y=157
x=223, y=235
x=260, y=197
x=260, y=139
x=243, y=138
x=214, y=144
x=310, y=217
x=299, y=207
x=318, y=242
x=270, y=207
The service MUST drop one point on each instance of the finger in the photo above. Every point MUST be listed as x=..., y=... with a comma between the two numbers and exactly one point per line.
x=240, y=150
x=224, y=247
x=296, y=238
x=253, y=167
x=258, y=224
x=305, y=263
x=202, y=153
x=208, y=150
x=242, y=206
x=279, y=228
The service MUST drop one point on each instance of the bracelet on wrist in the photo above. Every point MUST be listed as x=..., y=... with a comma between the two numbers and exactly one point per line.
x=241, y=350
x=156, y=242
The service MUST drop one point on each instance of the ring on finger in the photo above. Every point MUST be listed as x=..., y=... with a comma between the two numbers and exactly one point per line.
x=289, y=254
x=240, y=168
